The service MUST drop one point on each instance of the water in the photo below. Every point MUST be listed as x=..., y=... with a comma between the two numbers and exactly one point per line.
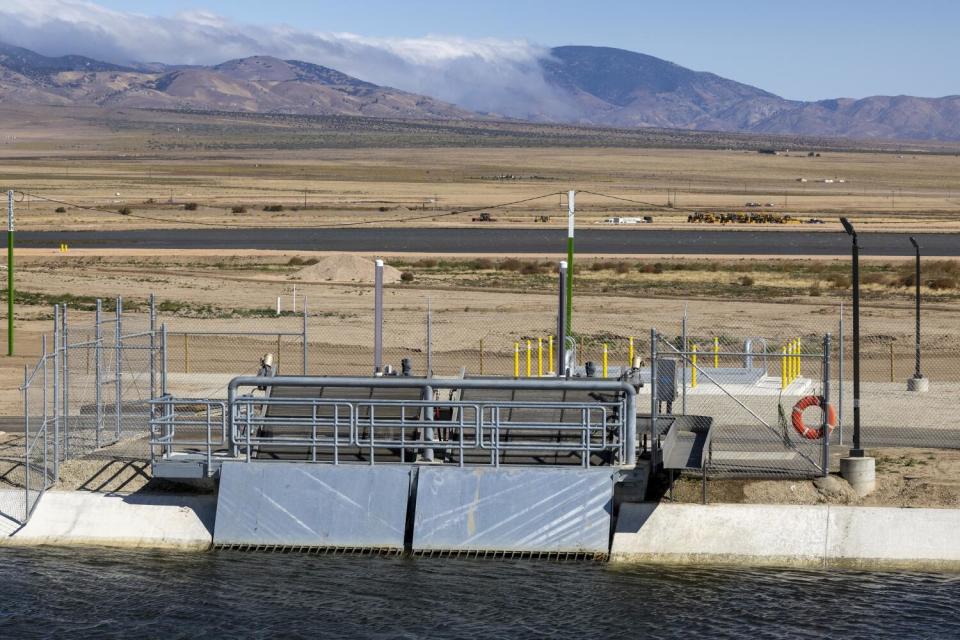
x=52, y=593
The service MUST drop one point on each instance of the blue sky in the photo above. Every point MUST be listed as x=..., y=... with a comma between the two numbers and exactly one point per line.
x=804, y=50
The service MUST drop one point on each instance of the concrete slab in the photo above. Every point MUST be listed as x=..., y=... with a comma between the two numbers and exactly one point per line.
x=788, y=535
x=534, y=510
x=80, y=518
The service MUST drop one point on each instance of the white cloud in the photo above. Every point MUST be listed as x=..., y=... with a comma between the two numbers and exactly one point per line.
x=485, y=74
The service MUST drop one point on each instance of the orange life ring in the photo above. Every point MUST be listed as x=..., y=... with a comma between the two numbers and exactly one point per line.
x=797, y=417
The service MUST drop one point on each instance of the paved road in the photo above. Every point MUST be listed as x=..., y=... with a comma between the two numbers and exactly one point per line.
x=500, y=241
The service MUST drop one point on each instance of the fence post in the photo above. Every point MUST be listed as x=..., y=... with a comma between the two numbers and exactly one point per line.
x=824, y=428
x=46, y=424
x=683, y=360
x=304, y=336
x=654, y=405
x=378, y=316
x=153, y=328
x=65, y=333
x=118, y=383
x=56, y=391
x=840, y=384
x=481, y=356
x=429, y=338
x=97, y=373
x=163, y=359
x=26, y=446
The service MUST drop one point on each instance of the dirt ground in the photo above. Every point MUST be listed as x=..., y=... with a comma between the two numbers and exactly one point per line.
x=905, y=478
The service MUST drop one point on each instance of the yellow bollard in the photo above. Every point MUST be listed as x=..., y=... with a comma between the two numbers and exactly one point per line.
x=693, y=368
x=783, y=368
x=630, y=353
x=799, y=359
x=539, y=357
x=529, y=358
x=716, y=353
x=516, y=359
x=604, y=359
x=550, y=353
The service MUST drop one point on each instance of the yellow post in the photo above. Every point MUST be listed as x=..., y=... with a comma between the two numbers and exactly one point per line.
x=630, y=353
x=604, y=359
x=693, y=368
x=516, y=359
x=799, y=359
x=539, y=357
x=716, y=353
x=783, y=368
x=481, y=356
x=550, y=353
x=529, y=358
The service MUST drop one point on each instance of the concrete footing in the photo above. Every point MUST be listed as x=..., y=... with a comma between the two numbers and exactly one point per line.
x=919, y=385
x=861, y=473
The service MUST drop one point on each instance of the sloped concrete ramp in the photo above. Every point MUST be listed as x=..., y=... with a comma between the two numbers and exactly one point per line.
x=515, y=510
x=304, y=505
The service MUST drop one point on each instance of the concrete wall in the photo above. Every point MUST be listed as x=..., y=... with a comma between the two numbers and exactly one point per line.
x=119, y=520
x=867, y=537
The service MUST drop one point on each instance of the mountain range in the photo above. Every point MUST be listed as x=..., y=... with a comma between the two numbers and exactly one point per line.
x=589, y=86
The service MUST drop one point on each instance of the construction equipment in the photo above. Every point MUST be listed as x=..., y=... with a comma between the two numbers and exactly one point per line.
x=484, y=217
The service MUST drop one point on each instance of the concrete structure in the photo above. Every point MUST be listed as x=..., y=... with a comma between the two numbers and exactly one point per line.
x=80, y=518
x=788, y=535
x=861, y=473
x=918, y=385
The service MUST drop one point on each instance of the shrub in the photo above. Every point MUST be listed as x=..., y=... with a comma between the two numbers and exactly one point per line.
x=124, y=211
x=874, y=278
x=273, y=208
x=510, y=264
x=942, y=283
x=238, y=210
x=814, y=291
x=597, y=266
x=295, y=261
x=60, y=210
x=428, y=263
x=190, y=206
x=839, y=281
x=406, y=276
x=622, y=267
x=745, y=281
x=530, y=268
x=481, y=264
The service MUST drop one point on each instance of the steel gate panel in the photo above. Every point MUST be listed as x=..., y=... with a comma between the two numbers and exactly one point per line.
x=288, y=504
x=527, y=510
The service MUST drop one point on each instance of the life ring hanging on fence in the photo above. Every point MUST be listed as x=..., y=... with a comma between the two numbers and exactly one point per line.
x=797, y=417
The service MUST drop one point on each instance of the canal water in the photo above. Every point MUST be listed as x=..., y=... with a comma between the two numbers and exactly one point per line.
x=56, y=593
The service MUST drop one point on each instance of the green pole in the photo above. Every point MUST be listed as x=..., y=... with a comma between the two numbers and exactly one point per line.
x=571, y=207
x=10, y=273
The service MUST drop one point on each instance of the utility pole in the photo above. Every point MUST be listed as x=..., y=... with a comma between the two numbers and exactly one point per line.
x=10, y=289
x=918, y=382
x=571, y=213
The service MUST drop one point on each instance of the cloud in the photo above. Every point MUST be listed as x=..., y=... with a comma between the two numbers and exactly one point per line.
x=498, y=76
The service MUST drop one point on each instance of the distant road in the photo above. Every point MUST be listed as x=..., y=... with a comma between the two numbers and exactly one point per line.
x=636, y=241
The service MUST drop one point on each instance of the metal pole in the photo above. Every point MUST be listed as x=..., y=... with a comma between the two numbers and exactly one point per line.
x=683, y=361
x=857, y=450
x=840, y=383
x=163, y=359
x=10, y=288
x=304, y=336
x=571, y=215
x=56, y=391
x=562, y=321
x=98, y=400
x=118, y=383
x=916, y=246
x=378, y=317
x=64, y=332
x=653, y=399
x=153, y=328
x=824, y=429
x=429, y=339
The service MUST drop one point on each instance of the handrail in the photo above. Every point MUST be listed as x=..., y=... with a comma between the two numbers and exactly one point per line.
x=428, y=384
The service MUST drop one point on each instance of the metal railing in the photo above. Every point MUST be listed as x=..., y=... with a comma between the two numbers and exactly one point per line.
x=483, y=431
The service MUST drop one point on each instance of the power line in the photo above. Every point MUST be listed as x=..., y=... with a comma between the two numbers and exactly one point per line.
x=641, y=202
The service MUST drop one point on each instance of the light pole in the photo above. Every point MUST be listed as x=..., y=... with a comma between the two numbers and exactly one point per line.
x=10, y=273
x=571, y=215
x=857, y=450
x=917, y=383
